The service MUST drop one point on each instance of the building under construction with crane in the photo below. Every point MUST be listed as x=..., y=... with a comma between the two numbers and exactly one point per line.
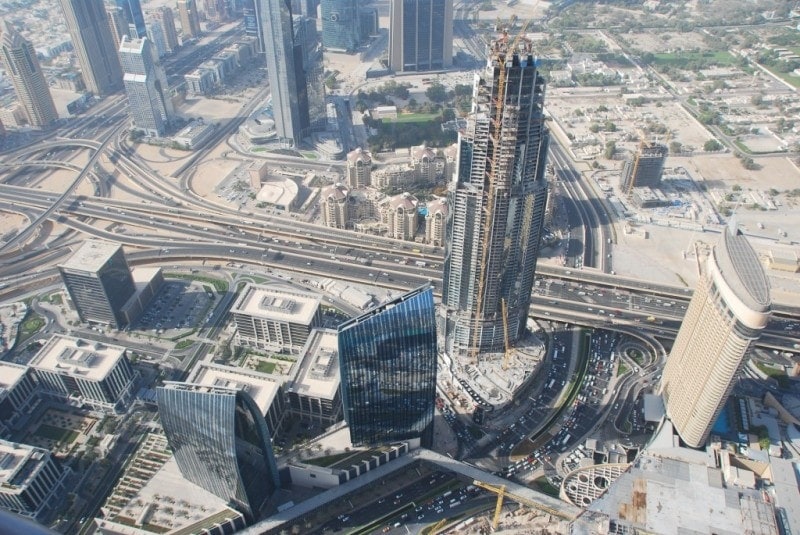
x=644, y=170
x=498, y=197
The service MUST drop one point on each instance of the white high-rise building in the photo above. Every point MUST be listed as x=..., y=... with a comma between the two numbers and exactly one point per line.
x=728, y=311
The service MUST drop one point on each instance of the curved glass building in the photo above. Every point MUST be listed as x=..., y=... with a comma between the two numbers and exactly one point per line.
x=728, y=311
x=221, y=443
x=387, y=359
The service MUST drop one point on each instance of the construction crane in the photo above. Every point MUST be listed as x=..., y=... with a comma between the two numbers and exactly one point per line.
x=501, y=492
x=507, y=354
x=500, y=53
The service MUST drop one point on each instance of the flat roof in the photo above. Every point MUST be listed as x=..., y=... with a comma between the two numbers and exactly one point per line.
x=318, y=374
x=262, y=387
x=13, y=459
x=10, y=375
x=91, y=256
x=68, y=355
x=277, y=304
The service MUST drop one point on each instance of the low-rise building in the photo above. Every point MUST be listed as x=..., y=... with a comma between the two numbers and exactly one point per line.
x=275, y=319
x=30, y=479
x=314, y=392
x=84, y=372
x=17, y=395
x=195, y=134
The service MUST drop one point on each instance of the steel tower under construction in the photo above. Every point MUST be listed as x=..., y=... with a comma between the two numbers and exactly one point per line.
x=497, y=198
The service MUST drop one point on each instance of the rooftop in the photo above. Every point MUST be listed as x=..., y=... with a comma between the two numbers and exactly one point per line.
x=261, y=387
x=318, y=375
x=18, y=463
x=277, y=304
x=91, y=256
x=10, y=375
x=742, y=270
x=67, y=355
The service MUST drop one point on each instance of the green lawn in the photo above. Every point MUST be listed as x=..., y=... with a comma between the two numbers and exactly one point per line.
x=679, y=59
x=543, y=485
x=56, y=433
x=265, y=367
x=183, y=344
x=31, y=325
x=623, y=369
x=413, y=118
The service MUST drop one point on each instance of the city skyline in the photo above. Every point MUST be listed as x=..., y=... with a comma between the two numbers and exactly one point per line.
x=496, y=206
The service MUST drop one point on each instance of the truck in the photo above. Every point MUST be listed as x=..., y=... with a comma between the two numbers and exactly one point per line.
x=420, y=263
x=651, y=318
x=551, y=383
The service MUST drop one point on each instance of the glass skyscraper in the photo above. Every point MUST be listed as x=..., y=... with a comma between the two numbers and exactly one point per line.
x=133, y=13
x=421, y=35
x=387, y=359
x=340, y=24
x=221, y=443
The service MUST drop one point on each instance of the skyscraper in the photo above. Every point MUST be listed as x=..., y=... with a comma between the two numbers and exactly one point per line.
x=729, y=309
x=340, y=24
x=134, y=16
x=26, y=75
x=99, y=282
x=190, y=18
x=645, y=168
x=496, y=204
x=294, y=66
x=87, y=23
x=421, y=35
x=117, y=24
x=146, y=86
x=230, y=454
x=387, y=358
x=253, y=25
x=165, y=16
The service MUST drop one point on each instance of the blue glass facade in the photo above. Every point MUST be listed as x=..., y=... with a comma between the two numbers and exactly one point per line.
x=221, y=443
x=340, y=24
x=387, y=359
x=133, y=12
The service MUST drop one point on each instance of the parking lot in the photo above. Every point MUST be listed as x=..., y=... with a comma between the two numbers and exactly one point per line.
x=178, y=305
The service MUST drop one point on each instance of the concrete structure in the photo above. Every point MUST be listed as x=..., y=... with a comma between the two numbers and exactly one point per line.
x=195, y=134
x=400, y=215
x=421, y=35
x=387, y=358
x=26, y=75
x=166, y=18
x=146, y=86
x=335, y=205
x=497, y=204
x=340, y=24
x=99, y=282
x=727, y=313
x=140, y=495
x=230, y=455
x=359, y=168
x=87, y=23
x=330, y=476
x=645, y=168
x=147, y=281
x=394, y=177
x=275, y=319
x=30, y=479
x=84, y=372
x=266, y=390
x=423, y=158
x=17, y=399
x=190, y=18
x=313, y=394
x=435, y=222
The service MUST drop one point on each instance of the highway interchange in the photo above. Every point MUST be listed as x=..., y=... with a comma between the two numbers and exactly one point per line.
x=170, y=225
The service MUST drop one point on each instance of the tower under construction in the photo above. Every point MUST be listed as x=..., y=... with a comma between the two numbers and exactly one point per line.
x=497, y=198
x=645, y=168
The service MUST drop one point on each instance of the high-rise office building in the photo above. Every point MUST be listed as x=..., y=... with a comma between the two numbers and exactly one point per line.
x=99, y=282
x=727, y=313
x=146, y=86
x=26, y=75
x=166, y=17
x=117, y=23
x=293, y=66
x=156, y=35
x=134, y=16
x=87, y=23
x=421, y=35
x=496, y=204
x=340, y=24
x=31, y=480
x=253, y=25
x=230, y=454
x=387, y=358
x=645, y=168
x=190, y=18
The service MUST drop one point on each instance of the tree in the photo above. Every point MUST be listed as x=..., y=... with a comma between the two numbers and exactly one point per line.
x=675, y=147
x=712, y=145
x=436, y=93
x=611, y=147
